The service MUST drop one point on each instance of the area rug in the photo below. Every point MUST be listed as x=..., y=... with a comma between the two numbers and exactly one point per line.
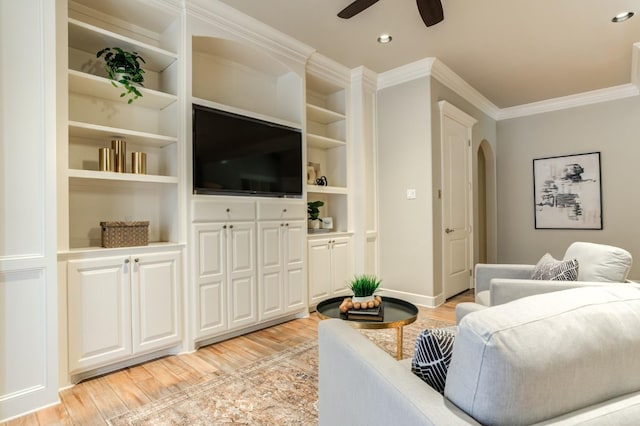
x=280, y=389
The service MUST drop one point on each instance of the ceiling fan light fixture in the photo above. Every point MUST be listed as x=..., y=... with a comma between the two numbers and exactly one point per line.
x=384, y=38
x=623, y=16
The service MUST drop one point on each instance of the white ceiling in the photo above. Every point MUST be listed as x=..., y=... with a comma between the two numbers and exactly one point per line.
x=514, y=52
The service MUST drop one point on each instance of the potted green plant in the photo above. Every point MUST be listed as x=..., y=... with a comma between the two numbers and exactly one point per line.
x=124, y=67
x=313, y=211
x=363, y=287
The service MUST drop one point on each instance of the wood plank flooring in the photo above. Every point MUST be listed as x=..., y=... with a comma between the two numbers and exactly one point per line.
x=94, y=401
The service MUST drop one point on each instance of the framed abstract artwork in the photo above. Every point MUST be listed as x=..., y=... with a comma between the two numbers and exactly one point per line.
x=567, y=192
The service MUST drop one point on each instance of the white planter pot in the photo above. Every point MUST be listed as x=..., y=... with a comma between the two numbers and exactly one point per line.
x=362, y=299
x=313, y=224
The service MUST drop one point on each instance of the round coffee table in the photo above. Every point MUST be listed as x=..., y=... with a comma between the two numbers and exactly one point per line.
x=397, y=314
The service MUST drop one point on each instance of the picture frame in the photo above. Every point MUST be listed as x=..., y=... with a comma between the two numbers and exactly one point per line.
x=567, y=192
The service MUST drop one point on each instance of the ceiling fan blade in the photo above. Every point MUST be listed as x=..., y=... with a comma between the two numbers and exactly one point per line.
x=355, y=8
x=430, y=11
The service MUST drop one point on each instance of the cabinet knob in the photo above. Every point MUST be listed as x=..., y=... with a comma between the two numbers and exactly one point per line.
x=284, y=210
x=282, y=224
x=126, y=261
x=286, y=224
x=230, y=226
x=228, y=210
x=224, y=227
x=136, y=260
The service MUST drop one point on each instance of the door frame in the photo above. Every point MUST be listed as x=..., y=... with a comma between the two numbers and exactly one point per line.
x=452, y=112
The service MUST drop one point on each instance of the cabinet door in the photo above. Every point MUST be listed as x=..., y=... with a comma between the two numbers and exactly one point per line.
x=242, y=298
x=319, y=270
x=295, y=283
x=341, y=265
x=155, y=300
x=270, y=269
x=99, y=312
x=211, y=278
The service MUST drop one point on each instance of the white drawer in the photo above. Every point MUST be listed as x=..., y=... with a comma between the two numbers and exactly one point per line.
x=281, y=209
x=223, y=210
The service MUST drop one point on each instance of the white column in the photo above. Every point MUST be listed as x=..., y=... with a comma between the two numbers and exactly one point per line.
x=28, y=284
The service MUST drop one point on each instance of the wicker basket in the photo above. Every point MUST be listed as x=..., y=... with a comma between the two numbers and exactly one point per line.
x=125, y=234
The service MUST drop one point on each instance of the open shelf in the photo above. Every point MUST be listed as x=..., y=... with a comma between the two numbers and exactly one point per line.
x=323, y=115
x=97, y=132
x=89, y=38
x=323, y=142
x=100, y=87
x=75, y=174
x=318, y=189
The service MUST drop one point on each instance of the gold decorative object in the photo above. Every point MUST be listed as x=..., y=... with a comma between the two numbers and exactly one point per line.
x=105, y=160
x=139, y=163
x=119, y=147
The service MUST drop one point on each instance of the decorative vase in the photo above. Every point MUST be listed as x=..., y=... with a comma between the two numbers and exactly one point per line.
x=313, y=224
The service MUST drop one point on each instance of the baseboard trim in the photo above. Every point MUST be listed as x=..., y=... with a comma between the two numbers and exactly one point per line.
x=416, y=299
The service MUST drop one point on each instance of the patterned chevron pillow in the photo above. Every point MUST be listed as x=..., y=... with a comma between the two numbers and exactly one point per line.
x=549, y=268
x=433, y=356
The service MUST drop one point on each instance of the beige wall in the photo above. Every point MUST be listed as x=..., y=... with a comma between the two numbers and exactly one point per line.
x=408, y=120
x=613, y=128
x=404, y=162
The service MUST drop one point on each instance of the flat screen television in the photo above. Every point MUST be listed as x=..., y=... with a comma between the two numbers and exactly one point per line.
x=239, y=155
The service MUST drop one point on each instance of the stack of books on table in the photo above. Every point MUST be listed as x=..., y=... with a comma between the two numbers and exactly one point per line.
x=369, y=314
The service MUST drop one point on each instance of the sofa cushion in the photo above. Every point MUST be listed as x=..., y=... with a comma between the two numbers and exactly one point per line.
x=432, y=356
x=541, y=356
x=600, y=262
x=551, y=269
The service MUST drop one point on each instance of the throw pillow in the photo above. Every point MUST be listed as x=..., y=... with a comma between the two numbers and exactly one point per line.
x=549, y=268
x=433, y=355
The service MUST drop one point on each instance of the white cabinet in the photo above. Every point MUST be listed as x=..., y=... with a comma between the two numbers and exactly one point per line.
x=121, y=306
x=281, y=260
x=330, y=267
x=226, y=283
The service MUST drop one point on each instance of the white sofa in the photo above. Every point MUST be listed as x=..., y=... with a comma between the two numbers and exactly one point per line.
x=565, y=358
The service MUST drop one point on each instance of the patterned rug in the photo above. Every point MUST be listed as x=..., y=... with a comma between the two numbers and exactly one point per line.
x=281, y=389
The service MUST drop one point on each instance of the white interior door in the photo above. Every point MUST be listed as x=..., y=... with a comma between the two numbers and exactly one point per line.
x=457, y=239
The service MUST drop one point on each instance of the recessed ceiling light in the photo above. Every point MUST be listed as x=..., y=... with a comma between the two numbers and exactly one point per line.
x=384, y=38
x=621, y=17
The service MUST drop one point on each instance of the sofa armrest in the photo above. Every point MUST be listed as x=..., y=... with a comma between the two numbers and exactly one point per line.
x=465, y=308
x=485, y=272
x=506, y=290
x=360, y=384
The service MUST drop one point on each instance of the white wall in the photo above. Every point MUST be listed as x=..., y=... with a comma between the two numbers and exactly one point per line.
x=28, y=325
x=613, y=128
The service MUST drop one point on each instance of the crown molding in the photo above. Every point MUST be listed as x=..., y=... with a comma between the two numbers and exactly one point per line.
x=446, y=76
x=437, y=69
x=571, y=101
x=248, y=29
x=404, y=73
x=326, y=68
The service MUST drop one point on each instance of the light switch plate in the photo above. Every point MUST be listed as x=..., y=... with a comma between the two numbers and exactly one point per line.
x=411, y=194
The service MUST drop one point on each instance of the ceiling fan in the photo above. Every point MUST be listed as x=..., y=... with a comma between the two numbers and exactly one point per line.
x=430, y=10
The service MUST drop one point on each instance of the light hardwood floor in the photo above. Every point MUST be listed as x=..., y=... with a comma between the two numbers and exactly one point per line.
x=93, y=401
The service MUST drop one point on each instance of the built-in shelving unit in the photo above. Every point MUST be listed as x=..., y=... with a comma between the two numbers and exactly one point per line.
x=98, y=114
x=327, y=147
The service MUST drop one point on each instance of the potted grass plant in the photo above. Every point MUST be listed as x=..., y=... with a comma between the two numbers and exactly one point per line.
x=363, y=287
x=124, y=68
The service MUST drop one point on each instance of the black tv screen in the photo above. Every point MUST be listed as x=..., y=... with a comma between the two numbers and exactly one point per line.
x=238, y=155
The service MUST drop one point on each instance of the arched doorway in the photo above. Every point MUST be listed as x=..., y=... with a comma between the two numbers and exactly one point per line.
x=486, y=217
